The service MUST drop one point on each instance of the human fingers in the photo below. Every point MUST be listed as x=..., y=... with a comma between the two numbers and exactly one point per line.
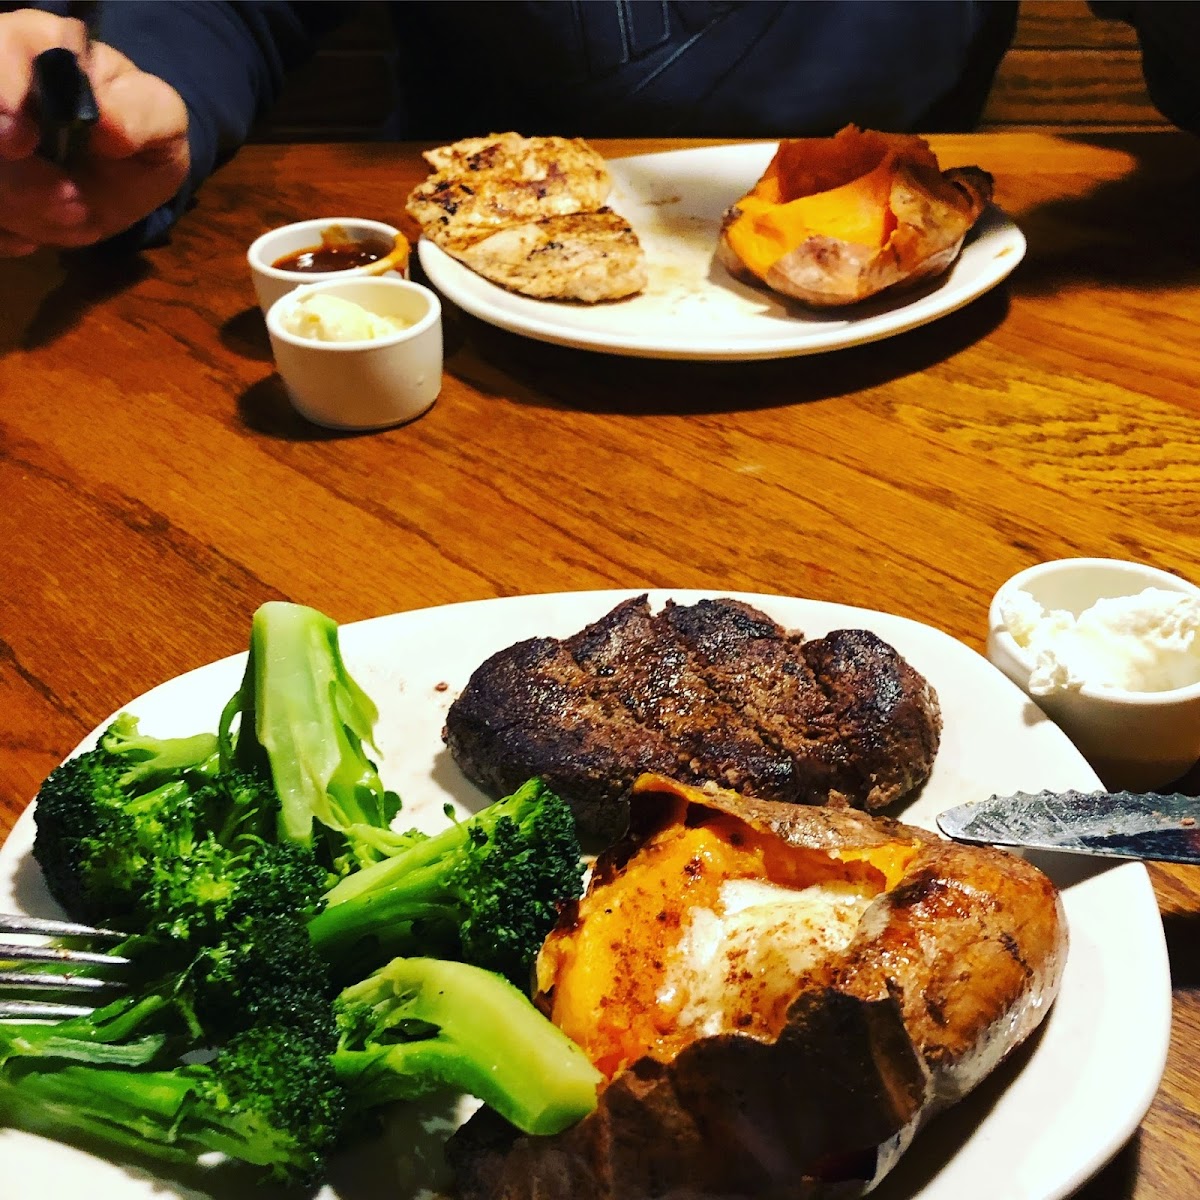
x=138, y=111
x=23, y=36
x=12, y=246
x=38, y=203
x=137, y=159
x=105, y=197
x=18, y=136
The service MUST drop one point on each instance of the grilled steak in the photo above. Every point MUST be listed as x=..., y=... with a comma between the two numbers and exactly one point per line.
x=714, y=691
x=528, y=214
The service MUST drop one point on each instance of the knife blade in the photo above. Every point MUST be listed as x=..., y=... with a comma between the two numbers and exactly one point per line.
x=1109, y=824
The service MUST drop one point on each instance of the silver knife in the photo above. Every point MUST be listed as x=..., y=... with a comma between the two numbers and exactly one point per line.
x=1109, y=824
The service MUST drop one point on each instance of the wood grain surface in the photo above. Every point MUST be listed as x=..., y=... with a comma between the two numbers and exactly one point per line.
x=156, y=486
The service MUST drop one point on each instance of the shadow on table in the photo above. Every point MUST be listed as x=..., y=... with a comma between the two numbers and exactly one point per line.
x=245, y=334
x=1118, y=1180
x=1136, y=231
x=493, y=360
x=264, y=407
x=1183, y=949
x=44, y=296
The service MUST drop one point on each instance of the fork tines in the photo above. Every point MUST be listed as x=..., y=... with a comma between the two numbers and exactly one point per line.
x=33, y=1010
x=17, y=923
x=53, y=970
x=25, y=952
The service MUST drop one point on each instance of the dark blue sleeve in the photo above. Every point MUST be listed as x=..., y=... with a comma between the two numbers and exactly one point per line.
x=1168, y=33
x=226, y=59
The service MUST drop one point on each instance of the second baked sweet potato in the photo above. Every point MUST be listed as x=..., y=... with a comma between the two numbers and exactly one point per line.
x=835, y=220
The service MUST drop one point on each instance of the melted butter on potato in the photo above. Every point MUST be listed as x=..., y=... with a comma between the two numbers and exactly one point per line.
x=737, y=966
x=710, y=927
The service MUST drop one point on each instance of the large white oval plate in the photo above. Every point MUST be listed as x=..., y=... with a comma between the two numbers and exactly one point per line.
x=692, y=308
x=1036, y=1130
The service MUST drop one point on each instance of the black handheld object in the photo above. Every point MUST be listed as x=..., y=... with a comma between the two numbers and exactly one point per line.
x=66, y=107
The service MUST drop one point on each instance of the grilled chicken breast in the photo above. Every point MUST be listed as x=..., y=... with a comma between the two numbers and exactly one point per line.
x=528, y=214
x=586, y=256
x=524, y=158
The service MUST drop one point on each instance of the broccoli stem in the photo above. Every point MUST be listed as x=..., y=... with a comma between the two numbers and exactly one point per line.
x=422, y=1023
x=303, y=716
x=126, y=1110
x=386, y=898
x=486, y=890
x=128, y=1032
x=157, y=1113
x=270, y=1098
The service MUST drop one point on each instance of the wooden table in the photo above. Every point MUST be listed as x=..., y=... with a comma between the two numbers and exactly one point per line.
x=156, y=486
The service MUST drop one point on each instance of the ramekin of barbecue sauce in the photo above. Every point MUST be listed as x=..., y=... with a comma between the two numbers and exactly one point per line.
x=325, y=248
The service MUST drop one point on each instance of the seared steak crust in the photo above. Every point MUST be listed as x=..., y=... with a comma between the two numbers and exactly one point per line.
x=711, y=692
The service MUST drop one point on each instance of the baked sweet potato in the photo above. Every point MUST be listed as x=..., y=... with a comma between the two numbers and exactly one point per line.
x=779, y=997
x=835, y=220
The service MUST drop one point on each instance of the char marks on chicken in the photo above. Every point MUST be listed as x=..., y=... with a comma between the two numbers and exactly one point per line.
x=710, y=692
x=529, y=214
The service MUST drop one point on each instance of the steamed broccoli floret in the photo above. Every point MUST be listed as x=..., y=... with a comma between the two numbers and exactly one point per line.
x=265, y=972
x=486, y=890
x=270, y=1097
x=420, y=1023
x=261, y=1000
x=195, y=897
x=302, y=719
x=247, y=868
x=103, y=815
x=167, y=842
x=123, y=828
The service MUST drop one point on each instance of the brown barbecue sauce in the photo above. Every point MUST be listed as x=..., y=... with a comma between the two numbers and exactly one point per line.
x=337, y=252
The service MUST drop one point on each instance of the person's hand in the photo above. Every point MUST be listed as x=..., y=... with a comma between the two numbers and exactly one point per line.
x=137, y=155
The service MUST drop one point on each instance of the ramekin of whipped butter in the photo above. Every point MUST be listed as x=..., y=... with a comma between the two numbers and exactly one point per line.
x=362, y=353
x=1110, y=651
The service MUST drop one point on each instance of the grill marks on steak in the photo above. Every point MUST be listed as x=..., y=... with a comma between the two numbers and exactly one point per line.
x=533, y=703
x=887, y=720
x=659, y=684
x=714, y=691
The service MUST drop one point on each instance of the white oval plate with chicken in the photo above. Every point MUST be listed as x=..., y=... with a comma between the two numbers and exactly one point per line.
x=1034, y=1130
x=691, y=307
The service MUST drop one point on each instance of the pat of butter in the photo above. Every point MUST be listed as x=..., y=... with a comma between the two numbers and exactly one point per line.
x=325, y=318
x=752, y=951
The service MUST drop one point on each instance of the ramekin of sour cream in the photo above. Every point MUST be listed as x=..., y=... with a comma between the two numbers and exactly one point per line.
x=1110, y=651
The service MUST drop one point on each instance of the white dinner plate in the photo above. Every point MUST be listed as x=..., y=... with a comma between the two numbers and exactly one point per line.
x=1035, y=1130
x=692, y=307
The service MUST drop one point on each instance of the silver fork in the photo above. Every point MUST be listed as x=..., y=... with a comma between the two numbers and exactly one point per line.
x=55, y=971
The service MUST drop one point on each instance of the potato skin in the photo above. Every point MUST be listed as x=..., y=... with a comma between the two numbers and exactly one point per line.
x=823, y=1112
x=948, y=972
x=973, y=943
